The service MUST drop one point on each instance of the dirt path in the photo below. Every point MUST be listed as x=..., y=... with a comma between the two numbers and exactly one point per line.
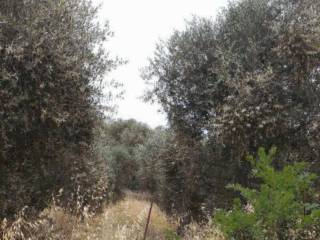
x=127, y=220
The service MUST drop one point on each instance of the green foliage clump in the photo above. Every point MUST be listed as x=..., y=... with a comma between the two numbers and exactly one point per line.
x=118, y=144
x=282, y=207
x=170, y=235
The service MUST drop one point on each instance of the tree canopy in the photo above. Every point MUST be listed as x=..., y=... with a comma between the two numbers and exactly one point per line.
x=52, y=62
x=248, y=79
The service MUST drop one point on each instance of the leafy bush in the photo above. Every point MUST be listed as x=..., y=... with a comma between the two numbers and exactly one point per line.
x=282, y=207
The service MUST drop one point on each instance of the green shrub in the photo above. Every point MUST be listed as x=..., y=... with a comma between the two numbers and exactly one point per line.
x=171, y=235
x=282, y=207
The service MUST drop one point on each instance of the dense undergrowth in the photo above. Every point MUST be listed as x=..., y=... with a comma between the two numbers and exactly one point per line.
x=124, y=220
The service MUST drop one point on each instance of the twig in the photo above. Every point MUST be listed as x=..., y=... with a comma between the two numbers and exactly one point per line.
x=148, y=220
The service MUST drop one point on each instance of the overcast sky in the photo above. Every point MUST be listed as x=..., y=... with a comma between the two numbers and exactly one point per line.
x=138, y=25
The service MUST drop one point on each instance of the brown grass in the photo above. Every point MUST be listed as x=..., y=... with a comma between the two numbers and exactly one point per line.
x=124, y=220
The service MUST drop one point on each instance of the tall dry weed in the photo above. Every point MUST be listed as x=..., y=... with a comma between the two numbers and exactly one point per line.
x=124, y=220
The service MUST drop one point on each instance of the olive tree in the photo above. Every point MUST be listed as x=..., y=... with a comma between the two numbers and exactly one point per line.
x=52, y=62
x=248, y=79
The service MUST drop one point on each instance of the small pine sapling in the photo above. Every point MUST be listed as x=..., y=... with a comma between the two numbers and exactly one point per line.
x=284, y=206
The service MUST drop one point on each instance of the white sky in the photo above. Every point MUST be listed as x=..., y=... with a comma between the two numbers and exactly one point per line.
x=138, y=25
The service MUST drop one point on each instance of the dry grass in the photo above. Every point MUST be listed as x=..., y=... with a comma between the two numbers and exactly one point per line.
x=124, y=220
x=204, y=232
x=127, y=220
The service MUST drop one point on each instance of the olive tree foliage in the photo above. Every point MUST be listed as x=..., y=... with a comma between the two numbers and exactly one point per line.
x=186, y=84
x=149, y=160
x=167, y=170
x=51, y=65
x=277, y=103
x=119, y=141
x=248, y=79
